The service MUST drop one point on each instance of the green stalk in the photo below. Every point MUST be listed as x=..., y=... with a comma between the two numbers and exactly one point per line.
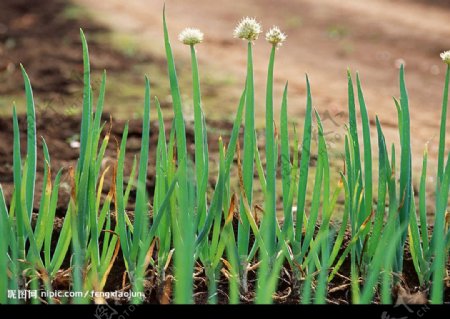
x=349, y=173
x=86, y=114
x=220, y=187
x=200, y=134
x=141, y=221
x=235, y=134
x=442, y=134
x=340, y=236
x=414, y=244
x=271, y=166
x=4, y=245
x=260, y=168
x=17, y=175
x=327, y=206
x=393, y=197
x=382, y=180
x=31, y=143
x=405, y=165
x=326, y=173
x=33, y=256
x=120, y=205
x=161, y=185
x=77, y=262
x=386, y=283
x=314, y=213
x=285, y=166
x=130, y=185
x=322, y=286
x=101, y=153
x=184, y=261
x=440, y=252
x=423, y=203
x=63, y=243
x=310, y=266
x=321, y=178
x=248, y=163
x=353, y=128
x=367, y=150
x=44, y=206
x=350, y=247
x=97, y=126
x=304, y=165
x=385, y=255
x=141, y=213
x=268, y=279
x=81, y=208
x=234, y=271
x=15, y=283
x=49, y=230
x=93, y=249
x=211, y=269
x=228, y=161
x=441, y=153
x=288, y=226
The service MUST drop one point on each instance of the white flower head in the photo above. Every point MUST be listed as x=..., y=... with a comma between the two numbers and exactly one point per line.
x=275, y=36
x=190, y=36
x=445, y=56
x=248, y=29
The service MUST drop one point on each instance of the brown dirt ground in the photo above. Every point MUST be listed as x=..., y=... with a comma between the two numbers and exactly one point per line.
x=44, y=37
x=41, y=37
x=38, y=36
x=324, y=38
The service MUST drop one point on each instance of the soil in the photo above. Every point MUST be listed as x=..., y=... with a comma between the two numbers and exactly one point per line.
x=24, y=25
x=44, y=37
x=324, y=39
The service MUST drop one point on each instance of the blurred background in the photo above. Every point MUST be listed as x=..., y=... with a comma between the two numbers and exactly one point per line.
x=325, y=38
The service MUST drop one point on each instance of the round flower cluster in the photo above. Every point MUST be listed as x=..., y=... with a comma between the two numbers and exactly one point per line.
x=247, y=29
x=190, y=36
x=445, y=56
x=275, y=36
